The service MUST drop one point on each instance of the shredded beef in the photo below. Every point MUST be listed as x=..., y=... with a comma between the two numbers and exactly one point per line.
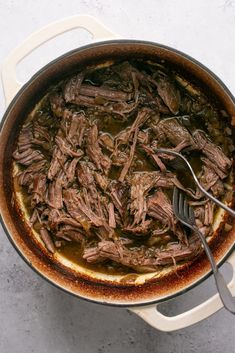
x=174, y=132
x=46, y=238
x=69, y=233
x=87, y=165
x=160, y=208
x=213, y=152
x=146, y=257
x=28, y=156
x=94, y=151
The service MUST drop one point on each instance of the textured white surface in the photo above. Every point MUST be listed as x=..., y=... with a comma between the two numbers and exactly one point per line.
x=203, y=29
x=36, y=317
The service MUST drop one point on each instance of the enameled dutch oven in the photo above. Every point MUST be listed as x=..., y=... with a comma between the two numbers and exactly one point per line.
x=141, y=294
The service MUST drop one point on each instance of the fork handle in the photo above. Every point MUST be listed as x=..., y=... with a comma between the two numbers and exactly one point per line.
x=224, y=292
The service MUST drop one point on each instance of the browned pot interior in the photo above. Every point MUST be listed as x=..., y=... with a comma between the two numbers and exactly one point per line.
x=83, y=285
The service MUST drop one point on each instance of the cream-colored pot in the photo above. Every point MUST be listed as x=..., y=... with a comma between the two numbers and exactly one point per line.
x=142, y=293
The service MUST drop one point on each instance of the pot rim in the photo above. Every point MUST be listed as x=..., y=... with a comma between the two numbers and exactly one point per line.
x=120, y=305
x=34, y=77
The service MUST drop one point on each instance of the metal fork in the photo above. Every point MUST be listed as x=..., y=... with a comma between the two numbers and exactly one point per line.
x=211, y=197
x=185, y=214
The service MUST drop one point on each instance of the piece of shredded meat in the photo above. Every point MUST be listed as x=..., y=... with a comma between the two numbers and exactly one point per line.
x=147, y=258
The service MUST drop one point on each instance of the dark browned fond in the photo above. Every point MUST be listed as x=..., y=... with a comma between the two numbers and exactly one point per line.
x=18, y=231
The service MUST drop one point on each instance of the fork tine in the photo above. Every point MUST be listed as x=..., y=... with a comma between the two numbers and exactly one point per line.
x=176, y=201
x=191, y=215
x=186, y=208
x=181, y=204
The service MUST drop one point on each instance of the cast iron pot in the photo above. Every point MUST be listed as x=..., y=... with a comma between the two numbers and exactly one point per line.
x=143, y=293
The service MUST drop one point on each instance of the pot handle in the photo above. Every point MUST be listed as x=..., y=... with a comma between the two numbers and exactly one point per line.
x=153, y=317
x=8, y=71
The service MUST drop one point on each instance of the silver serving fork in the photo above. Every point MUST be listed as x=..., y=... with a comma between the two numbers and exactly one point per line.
x=185, y=214
x=184, y=160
